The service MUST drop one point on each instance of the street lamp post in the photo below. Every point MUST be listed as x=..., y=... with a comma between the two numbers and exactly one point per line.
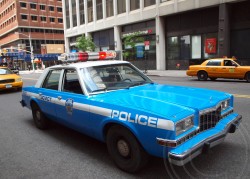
x=31, y=50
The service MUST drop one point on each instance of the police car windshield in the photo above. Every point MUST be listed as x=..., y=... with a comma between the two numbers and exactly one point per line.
x=99, y=79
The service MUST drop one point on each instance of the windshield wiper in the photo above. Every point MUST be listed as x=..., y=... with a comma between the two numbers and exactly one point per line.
x=139, y=83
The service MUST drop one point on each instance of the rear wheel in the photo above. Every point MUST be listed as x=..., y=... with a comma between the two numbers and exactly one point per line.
x=125, y=150
x=202, y=76
x=248, y=77
x=40, y=120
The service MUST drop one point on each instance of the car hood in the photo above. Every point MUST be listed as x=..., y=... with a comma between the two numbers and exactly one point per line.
x=9, y=76
x=164, y=100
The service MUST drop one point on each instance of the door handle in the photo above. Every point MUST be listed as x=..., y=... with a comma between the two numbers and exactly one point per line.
x=59, y=97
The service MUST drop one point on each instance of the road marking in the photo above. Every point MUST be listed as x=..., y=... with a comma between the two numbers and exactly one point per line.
x=241, y=96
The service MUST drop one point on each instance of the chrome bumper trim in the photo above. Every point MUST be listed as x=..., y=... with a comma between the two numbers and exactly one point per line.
x=182, y=159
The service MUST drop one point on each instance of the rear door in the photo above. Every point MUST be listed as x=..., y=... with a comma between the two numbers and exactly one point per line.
x=213, y=68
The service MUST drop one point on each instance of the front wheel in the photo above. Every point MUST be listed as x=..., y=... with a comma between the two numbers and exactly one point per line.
x=202, y=76
x=40, y=120
x=125, y=150
x=248, y=77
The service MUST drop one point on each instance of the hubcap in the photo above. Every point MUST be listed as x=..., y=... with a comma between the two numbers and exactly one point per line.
x=123, y=148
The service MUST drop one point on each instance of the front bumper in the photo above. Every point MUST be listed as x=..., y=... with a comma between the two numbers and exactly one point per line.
x=204, y=141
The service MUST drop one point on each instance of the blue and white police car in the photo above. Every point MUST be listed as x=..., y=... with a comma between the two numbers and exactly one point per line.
x=116, y=103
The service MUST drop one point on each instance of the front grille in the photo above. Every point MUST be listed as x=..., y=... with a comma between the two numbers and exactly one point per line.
x=209, y=119
x=7, y=81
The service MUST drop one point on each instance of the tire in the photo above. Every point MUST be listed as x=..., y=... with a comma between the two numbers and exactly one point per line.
x=41, y=122
x=213, y=79
x=248, y=77
x=125, y=150
x=19, y=89
x=202, y=76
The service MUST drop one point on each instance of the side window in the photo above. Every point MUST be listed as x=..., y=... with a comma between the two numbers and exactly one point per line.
x=228, y=63
x=214, y=63
x=52, y=80
x=71, y=82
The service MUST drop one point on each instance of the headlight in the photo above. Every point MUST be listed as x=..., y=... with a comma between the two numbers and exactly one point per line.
x=184, y=125
x=225, y=104
x=18, y=79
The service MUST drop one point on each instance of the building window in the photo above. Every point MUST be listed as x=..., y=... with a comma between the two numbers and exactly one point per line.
x=59, y=9
x=149, y=2
x=99, y=9
x=173, y=50
x=51, y=8
x=121, y=6
x=185, y=43
x=42, y=7
x=82, y=16
x=73, y=2
x=90, y=11
x=109, y=8
x=32, y=6
x=134, y=4
x=34, y=18
x=23, y=4
x=43, y=19
x=24, y=17
x=52, y=19
x=67, y=14
x=60, y=20
x=196, y=47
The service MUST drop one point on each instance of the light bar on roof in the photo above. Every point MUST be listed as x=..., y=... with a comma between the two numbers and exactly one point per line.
x=86, y=56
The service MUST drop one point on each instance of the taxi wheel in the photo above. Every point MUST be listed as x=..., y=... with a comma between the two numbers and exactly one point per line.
x=125, y=150
x=40, y=120
x=248, y=77
x=202, y=76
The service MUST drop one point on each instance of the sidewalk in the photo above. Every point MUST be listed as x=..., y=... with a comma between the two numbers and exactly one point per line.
x=171, y=73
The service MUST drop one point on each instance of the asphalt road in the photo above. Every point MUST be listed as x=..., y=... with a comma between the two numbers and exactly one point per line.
x=26, y=152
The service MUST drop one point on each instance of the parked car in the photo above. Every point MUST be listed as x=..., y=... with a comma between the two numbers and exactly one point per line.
x=219, y=68
x=9, y=80
x=116, y=103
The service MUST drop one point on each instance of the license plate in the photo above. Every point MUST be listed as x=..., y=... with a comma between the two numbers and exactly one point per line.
x=8, y=86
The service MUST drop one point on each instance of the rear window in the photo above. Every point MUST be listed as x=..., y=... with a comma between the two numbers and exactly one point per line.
x=214, y=63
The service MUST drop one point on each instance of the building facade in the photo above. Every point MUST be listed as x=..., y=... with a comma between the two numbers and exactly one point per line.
x=175, y=33
x=27, y=26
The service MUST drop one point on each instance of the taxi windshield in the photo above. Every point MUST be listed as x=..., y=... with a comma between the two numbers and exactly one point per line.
x=112, y=77
x=5, y=71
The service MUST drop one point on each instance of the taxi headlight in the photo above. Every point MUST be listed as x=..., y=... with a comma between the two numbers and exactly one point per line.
x=225, y=104
x=184, y=125
x=18, y=79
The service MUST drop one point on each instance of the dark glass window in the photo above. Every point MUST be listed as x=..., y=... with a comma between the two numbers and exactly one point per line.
x=34, y=18
x=52, y=19
x=71, y=83
x=90, y=11
x=42, y=7
x=67, y=14
x=99, y=9
x=121, y=6
x=173, y=50
x=60, y=20
x=73, y=3
x=33, y=6
x=59, y=9
x=109, y=8
x=43, y=18
x=134, y=4
x=82, y=16
x=23, y=4
x=24, y=17
x=149, y=2
x=51, y=8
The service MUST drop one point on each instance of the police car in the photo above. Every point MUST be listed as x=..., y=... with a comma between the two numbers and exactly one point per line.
x=116, y=103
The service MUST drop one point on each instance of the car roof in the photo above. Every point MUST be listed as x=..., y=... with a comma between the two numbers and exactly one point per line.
x=90, y=64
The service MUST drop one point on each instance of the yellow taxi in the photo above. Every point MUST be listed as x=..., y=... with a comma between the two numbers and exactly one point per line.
x=9, y=80
x=219, y=68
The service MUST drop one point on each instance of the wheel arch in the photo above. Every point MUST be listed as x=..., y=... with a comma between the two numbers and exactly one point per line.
x=202, y=71
x=248, y=72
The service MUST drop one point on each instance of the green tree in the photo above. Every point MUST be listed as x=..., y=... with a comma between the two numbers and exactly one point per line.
x=131, y=40
x=85, y=43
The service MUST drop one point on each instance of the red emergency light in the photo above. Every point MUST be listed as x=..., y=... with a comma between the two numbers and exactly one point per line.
x=86, y=56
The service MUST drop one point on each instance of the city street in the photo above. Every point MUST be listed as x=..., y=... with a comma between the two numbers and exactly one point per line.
x=59, y=152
